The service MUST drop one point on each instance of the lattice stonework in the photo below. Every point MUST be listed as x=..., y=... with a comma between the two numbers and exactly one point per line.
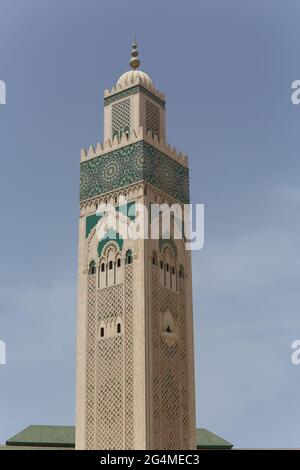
x=110, y=381
x=129, y=370
x=110, y=385
x=170, y=416
x=121, y=116
x=152, y=118
x=156, y=341
x=91, y=364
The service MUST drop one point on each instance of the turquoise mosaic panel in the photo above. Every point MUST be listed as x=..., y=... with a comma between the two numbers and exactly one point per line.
x=126, y=209
x=111, y=235
x=168, y=241
x=135, y=162
x=132, y=91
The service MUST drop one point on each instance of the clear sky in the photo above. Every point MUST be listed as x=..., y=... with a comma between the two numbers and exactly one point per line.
x=226, y=67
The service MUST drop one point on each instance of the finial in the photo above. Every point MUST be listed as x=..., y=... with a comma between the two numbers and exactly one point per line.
x=134, y=61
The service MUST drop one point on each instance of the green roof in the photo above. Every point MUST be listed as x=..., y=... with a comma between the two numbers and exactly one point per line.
x=44, y=436
x=64, y=437
x=208, y=440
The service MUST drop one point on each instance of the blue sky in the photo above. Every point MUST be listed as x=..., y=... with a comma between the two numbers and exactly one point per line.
x=226, y=67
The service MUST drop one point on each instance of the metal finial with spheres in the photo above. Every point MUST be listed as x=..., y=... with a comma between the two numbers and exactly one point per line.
x=133, y=75
x=134, y=61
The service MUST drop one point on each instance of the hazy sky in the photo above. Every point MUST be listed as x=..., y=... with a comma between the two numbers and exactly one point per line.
x=226, y=67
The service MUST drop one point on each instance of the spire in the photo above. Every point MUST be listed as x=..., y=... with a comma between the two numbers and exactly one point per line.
x=134, y=61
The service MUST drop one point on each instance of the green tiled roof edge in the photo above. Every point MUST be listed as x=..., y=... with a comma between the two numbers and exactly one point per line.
x=44, y=436
x=209, y=440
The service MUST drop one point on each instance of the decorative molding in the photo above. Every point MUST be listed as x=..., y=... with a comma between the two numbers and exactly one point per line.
x=131, y=82
x=89, y=206
x=132, y=91
x=168, y=241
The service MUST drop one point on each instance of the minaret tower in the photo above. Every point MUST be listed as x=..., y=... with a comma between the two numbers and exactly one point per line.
x=135, y=357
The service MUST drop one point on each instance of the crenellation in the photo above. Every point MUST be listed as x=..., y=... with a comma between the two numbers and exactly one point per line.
x=130, y=82
x=91, y=152
x=103, y=148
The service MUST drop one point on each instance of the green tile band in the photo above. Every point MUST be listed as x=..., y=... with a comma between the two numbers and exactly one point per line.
x=139, y=161
x=131, y=91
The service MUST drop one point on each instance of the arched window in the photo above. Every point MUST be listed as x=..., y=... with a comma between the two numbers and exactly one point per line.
x=110, y=265
x=118, y=262
x=129, y=257
x=92, y=268
x=181, y=272
x=115, y=135
x=119, y=328
x=102, y=331
x=127, y=132
x=161, y=265
x=168, y=325
x=102, y=267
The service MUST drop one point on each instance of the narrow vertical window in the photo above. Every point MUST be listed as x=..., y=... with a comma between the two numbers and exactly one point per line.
x=92, y=268
x=129, y=257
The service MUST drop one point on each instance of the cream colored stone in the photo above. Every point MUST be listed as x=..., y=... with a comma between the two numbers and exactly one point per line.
x=134, y=387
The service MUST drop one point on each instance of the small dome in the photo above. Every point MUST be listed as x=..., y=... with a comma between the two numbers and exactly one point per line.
x=129, y=77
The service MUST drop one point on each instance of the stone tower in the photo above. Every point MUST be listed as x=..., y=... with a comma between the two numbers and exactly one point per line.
x=135, y=357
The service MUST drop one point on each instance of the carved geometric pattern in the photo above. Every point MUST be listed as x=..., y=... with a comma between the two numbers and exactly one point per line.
x=131, y=91
x=185, y=376
x=156, y=363
x=139, y=161
x=110, y=303
x=120, y=116
x=110, y=367
x=110, y=376
x=109, y=432
x=152, y=118
x=91, y=364
x=129, y=369
x=170, y=386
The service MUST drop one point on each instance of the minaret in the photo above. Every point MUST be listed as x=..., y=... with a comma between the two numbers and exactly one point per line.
x=135, y=357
